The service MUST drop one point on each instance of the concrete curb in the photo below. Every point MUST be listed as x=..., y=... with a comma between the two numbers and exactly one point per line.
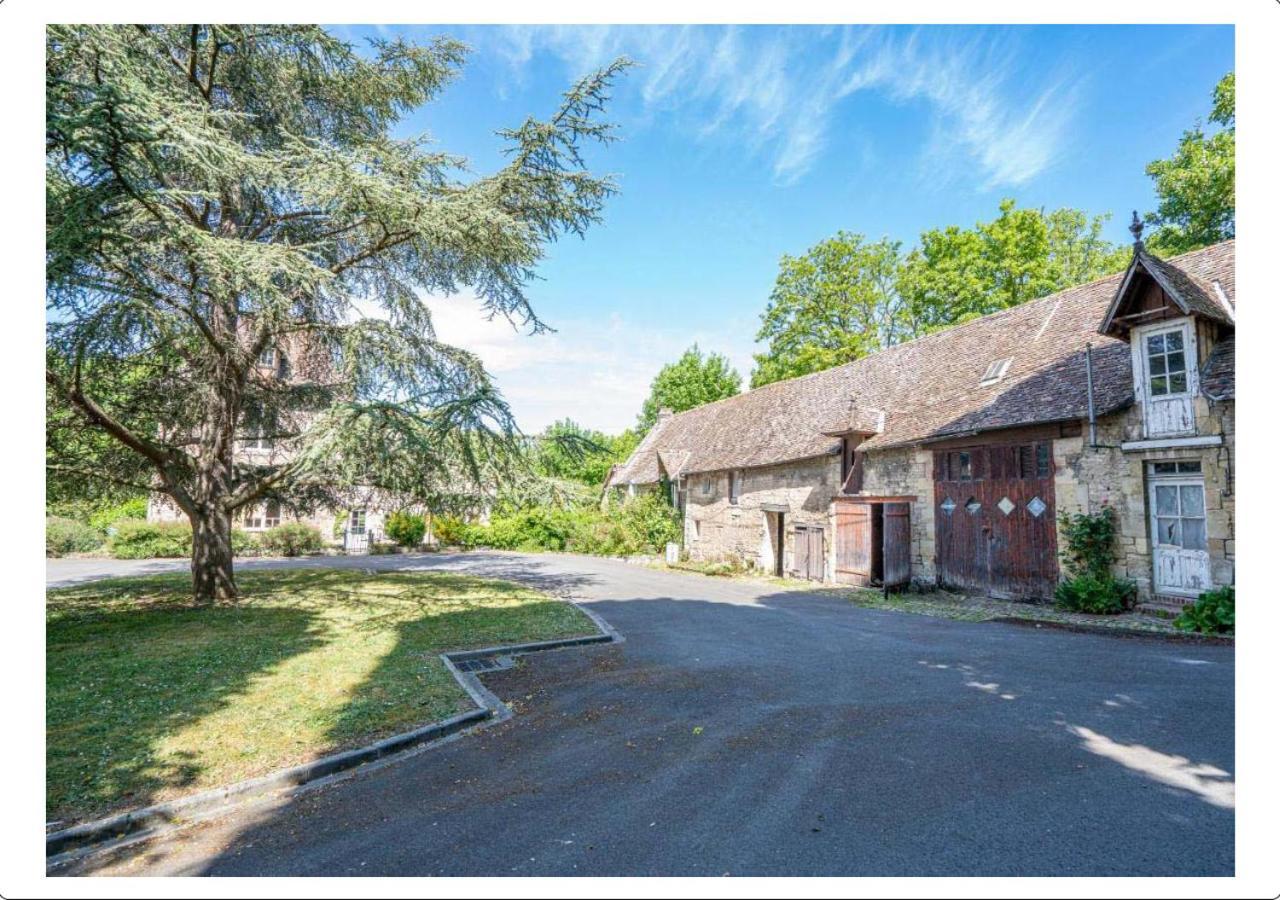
x=1183, y=636
x=151, y=820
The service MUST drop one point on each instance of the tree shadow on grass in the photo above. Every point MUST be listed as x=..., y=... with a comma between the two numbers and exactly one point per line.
x=119, y=682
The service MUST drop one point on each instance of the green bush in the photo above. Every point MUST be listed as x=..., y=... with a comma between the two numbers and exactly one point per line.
x=383, y=548
x=63, y=536
x=140, y=539
x=135, y=508
x=642, y=525
x=1090, y=586
x=1091, y=593
x=292, y=539
x=406, y=529
x=1214, y=612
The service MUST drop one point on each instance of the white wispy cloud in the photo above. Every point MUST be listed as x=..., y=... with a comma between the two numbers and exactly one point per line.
x=596, y=372
x=776, y=91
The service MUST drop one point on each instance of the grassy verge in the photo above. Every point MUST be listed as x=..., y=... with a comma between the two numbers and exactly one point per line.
x=962, y=607
x=149, y=697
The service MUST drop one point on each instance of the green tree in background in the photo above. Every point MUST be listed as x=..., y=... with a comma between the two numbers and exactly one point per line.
x=1196, y=187
x=836, y=303
x=221, y=197
x=692, y=380
x=568, y=451
x=848, y=297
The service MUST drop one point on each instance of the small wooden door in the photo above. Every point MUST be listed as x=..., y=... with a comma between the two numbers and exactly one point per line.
x=897, y=544
x=1179, y=540
x=809, y=549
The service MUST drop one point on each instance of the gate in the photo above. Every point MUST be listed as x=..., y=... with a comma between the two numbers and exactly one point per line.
x=873, y=540
x=994, y=509
x=809, y=556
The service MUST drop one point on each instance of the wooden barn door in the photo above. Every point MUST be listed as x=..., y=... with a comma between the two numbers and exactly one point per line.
x=897, y=544
x=994, y=514
x=809, y=555
x=853, y=543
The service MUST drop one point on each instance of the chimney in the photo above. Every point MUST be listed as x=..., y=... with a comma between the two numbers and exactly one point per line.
x=665, y=413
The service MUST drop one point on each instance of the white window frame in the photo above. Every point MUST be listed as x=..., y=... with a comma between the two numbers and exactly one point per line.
x=267, y=358
x=1155, y=409
x=1184, y=331
x=357, y=521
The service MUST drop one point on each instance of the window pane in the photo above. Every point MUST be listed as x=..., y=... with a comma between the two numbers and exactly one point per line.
x=1157, y=365
x=966, y=467
x=1187, y=466
x=1165, y=468
x=1159, y=385
x=1042, y=460
x=1192, y=500
x=1166, y=500
x=1168, y=532
x=1193, y=535
x=1155, y=344
x=1173, y=341
x=1177, y=362
x=1178, y=383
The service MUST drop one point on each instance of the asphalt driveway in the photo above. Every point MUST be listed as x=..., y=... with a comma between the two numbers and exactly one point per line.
x=745, y=730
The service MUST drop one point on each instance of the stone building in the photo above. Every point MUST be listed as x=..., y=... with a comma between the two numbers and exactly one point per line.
x=949, y=459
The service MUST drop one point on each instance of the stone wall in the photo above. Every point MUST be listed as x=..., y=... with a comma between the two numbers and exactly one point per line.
x=908, y=471
x=716, y=529
x=1089, y=477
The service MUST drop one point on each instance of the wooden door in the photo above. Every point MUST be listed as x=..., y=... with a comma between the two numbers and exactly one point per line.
x=1178, y=535
x=897, y=544
x=853, y=543
x=994, y=515
x=809, y=552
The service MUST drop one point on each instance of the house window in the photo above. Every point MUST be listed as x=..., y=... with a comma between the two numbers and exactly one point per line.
x=735, y=487
x=266, y=515
x=1184, y=467
x=259, y=442
x=356, y=522
x=1179, y=516
x=964, y=467
x=1166, y=363
x=995, y=371
x=706, y=486
x=267, y=358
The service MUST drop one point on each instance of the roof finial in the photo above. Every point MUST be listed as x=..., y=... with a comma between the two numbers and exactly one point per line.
x=1135, y=229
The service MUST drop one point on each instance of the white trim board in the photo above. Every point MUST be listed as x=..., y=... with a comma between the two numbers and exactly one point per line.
x=1204, y=440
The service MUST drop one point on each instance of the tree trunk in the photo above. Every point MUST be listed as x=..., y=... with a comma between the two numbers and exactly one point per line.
x=211, y=560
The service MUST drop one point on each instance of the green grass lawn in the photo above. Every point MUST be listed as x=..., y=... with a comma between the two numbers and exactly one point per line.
x=150, y=697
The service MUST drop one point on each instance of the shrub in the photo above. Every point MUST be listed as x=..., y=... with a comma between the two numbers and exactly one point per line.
x=245, y=543
x=406, y=529
x=63, y=536
x=140, y=539
x=135, y=508
x=1091, y=593
x=292, y=539
x=1090, y=585
x=383, y=548
x=448, y=530
x=1214, y=612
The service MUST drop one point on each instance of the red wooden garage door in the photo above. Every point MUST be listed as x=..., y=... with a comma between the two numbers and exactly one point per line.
x=994, y=509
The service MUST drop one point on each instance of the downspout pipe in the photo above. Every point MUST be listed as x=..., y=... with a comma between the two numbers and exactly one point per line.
x=1093, y=414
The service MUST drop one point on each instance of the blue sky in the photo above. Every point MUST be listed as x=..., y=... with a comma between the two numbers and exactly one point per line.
x=741, y=144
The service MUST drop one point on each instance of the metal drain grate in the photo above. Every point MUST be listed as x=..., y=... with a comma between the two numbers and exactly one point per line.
x=482, y=664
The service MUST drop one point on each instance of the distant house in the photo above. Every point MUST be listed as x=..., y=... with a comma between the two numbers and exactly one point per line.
x=352, y=525
x=948, y=460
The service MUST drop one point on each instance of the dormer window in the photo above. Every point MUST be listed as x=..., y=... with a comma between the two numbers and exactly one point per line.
x=995, y=371
x=1166, y=363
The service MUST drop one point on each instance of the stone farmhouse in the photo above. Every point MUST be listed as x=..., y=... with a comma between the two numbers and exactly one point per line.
x=949, y=459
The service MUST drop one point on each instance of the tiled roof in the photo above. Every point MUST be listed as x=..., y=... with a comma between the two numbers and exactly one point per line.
x=928, y=388
x=1218, y=377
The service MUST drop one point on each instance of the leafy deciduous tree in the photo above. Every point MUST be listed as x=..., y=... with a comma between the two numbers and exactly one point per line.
x=692, y=380
x=1196, y=186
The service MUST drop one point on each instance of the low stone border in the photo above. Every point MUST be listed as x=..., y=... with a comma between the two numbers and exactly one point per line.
x=1116, y=630
x=151, y=820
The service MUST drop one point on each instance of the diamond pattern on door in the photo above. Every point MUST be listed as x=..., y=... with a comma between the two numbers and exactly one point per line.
x=1005, y=505
x=1036, y=507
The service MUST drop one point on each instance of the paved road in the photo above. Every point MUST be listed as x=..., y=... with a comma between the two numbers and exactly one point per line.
x=748, y=731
